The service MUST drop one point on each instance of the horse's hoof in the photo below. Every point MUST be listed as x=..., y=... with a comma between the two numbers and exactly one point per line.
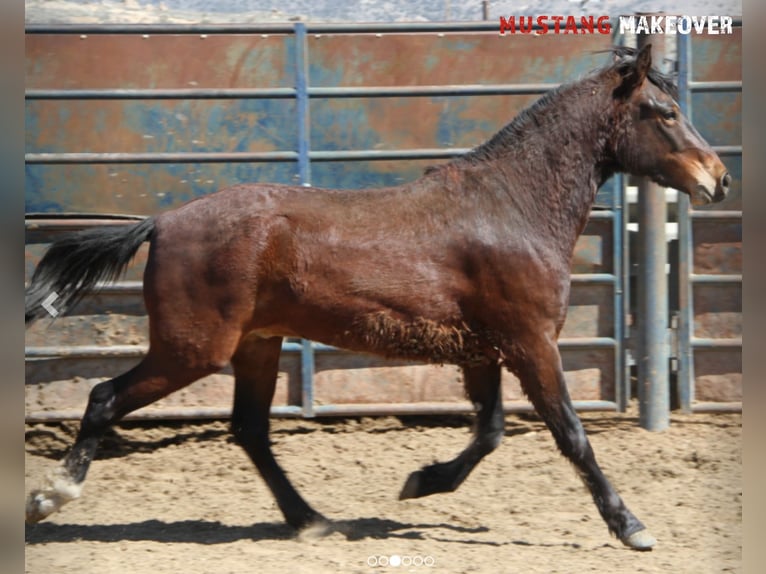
x=58, y=490
x=40, y=506
x=411, y=488
x=640, y=540
x=316, y=529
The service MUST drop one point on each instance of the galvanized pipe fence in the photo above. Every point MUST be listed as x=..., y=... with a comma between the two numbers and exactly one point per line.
x=304, y=156
x=688, y=344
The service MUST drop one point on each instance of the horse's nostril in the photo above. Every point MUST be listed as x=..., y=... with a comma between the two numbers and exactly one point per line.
x=726, y=180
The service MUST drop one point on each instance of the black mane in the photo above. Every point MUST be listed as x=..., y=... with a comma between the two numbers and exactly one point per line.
x=623, y=56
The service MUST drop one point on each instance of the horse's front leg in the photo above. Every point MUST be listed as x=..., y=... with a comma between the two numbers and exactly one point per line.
x=483, y=387
x=542, y=378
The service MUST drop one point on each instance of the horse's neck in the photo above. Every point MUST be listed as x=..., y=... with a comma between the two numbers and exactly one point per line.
x=554, y=166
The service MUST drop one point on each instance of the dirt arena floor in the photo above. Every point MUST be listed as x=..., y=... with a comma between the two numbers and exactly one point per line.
x=183, y=498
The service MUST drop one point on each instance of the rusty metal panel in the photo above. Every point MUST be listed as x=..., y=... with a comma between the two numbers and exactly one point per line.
x=164, y=61
x=591, y=311
x=718, y=311
x=345, y=378
x=395, y=59
x=717, y=57
x=718, y=375
x=237, y=61
x=412, y=122
x=717, y=246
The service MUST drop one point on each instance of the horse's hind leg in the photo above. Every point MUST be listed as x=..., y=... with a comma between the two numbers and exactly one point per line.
x=483, y=387
x=255, y=364
x=109, y=401
x=542, y=379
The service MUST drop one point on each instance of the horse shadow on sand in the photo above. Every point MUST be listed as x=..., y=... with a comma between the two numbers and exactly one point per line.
x=214, y=532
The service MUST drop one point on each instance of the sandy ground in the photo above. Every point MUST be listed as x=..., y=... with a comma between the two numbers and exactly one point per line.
x=184, y=498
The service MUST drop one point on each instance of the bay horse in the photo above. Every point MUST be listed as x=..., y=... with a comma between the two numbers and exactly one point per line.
x=468, y=265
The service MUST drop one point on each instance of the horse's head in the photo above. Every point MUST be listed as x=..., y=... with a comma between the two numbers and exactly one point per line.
x=654, y=139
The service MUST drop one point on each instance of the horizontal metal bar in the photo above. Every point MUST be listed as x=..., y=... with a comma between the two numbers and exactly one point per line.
x=587, y=343
x=264, y=28
x=715, y=279
x=729, y=407
x=164, y=413
x=374, y=155
x=284, y=93
x=716, y=344
x=414, y=91
x=594, y=278
x=715, y=214
x=114, y=351
x=43, y=231
x=35, y=217
x=43, y=223
x=111, y=351
x=606, y=214
x=434, y=408
x=160, y=157
x=727, y=150
x=84, y=351
x=161, y=94
x=223, y=157
x=341, y=410
x=90, y=158
x=279, y=28
x=733, y=86
x=66, y=224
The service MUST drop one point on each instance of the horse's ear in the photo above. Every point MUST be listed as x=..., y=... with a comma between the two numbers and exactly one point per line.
x=634, y=72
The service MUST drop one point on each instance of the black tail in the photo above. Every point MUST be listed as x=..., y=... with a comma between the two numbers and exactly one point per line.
x=74, y=264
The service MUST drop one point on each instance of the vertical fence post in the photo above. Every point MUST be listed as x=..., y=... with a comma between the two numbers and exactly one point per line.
x=304, y=174
x=653, y=335
x=685, y=301
x=621, y=271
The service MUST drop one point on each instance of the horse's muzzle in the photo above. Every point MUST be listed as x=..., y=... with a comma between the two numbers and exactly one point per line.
x=706, y=193
x=722, y=187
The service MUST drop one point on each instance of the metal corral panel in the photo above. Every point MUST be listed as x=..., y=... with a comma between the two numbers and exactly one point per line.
x=106, y=333
x=717, y=303
x=710, y=239
x=255, y=125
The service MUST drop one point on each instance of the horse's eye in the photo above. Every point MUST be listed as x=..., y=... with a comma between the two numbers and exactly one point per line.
x=669, y=114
